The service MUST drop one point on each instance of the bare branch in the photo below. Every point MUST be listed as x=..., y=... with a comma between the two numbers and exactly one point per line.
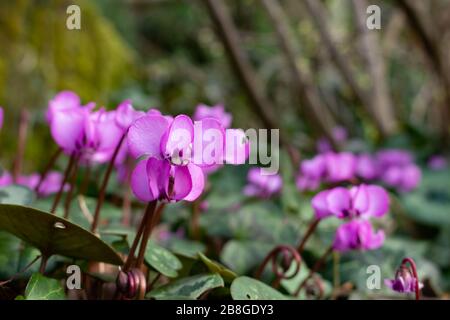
x=309, y=95
x=380, y=97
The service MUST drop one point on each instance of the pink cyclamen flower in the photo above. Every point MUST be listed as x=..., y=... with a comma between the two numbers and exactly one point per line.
x=403, y=178
x=49, y=185
x=5, y=179
x=340, y=166
x=359, y=201
x=366, y=167
x=262, y=185
x=64, y=100
x=168, y=171
x=404, y=281
x=393, y=157
x=77, y=130
x=217, y=112
x=357, y=235
x=437, y=162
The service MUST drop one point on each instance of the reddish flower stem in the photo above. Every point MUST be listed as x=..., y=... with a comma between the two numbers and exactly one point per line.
x=63, y=183
x=312, y=227
x=44, y=260
x=72, y=183
x=136, y=240
x=195, y=228
x=316, y=268
x=48, y=167
x=412, y=264
x=272, y=256
x=22, y=139
x=102, y=193
x=153, y=221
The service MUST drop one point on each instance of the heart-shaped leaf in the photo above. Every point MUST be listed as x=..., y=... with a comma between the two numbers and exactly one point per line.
x=55, y=235
x=186, y=248
x=15, y=194
x=245, y=288
x=216, y=267
x=189, y=288
x=43, y=288
x=164, y=261
x=429, y=204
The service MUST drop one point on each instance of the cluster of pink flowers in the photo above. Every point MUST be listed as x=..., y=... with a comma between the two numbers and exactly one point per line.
x=262, y=185
x=49, y=185
x=357, y=205
x=392, y=167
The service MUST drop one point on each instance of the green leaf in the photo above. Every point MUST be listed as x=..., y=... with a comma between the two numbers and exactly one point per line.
x=162, y=260
x=189, y=288
x=243, y=256
x=245, y=288
x=15, y=194
x=42, y=288
x=216, y=267
x=430, y=203
x=186, y=248
x=55, y=235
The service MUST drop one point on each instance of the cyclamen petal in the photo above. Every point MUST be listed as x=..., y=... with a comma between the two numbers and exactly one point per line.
x=339, y=201
x=177, y=140
x=209, y=143
x=197, y=182
x=62, y=101
x=378, y=201
x=125, y=114
x=144, y=135
x=67, y=128
x=217, y=112
x=357, y=235
x=237, y=147
x=140, y=184
x=320, y=205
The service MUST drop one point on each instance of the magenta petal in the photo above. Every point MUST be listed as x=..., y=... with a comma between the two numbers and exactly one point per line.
x=360, y=198
x=178, y=137
x=63, y=100
x=320, y=205
x=140, y=183
x=67, y=128
x=198, y=182
x=378, y=203
x=182, y=183
x=144, y=135
x=237, y=146
x=158, y=173
x=338, y=200
x=209, y=143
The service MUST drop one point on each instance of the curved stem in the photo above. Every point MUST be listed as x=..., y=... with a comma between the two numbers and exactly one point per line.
x=316, y=268
x=272, y=256
x=414, y=270
x=101, y=196
x=61, y=187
